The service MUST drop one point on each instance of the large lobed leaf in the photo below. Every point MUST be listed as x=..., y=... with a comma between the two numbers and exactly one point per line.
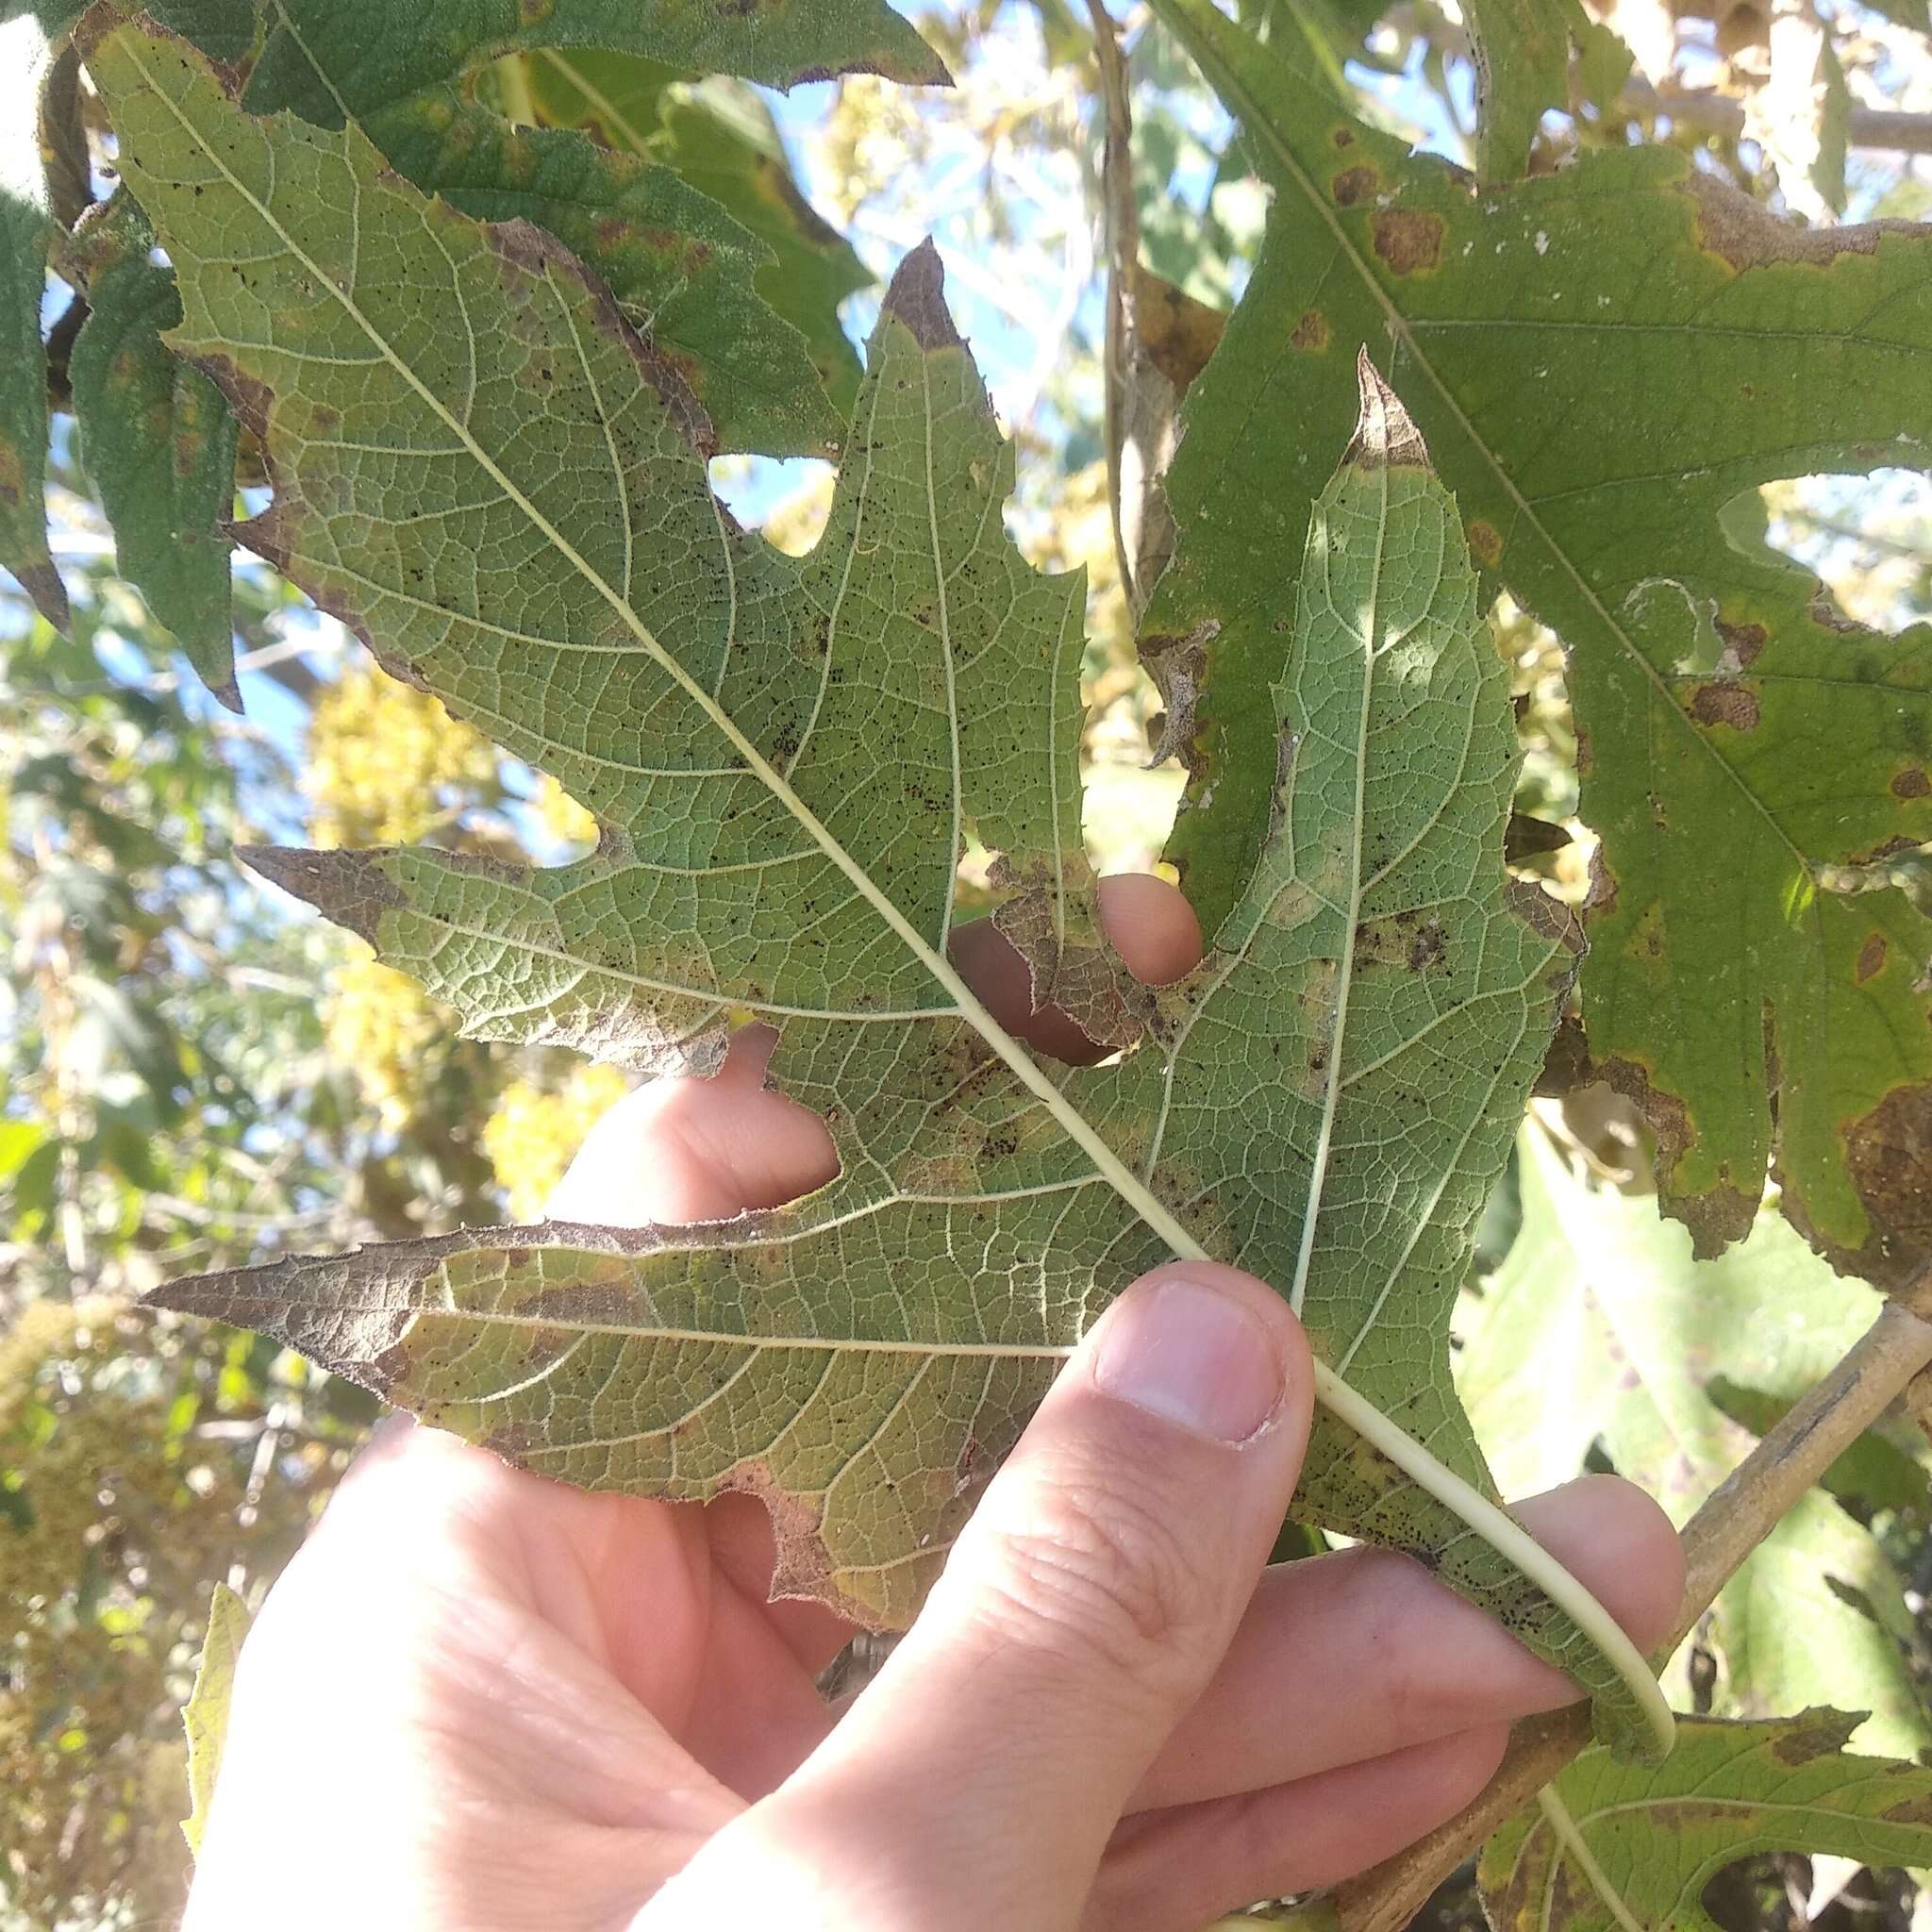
x=1600, y=1330
x=483, y=469
x=1604, y=360
x=1632, y=1846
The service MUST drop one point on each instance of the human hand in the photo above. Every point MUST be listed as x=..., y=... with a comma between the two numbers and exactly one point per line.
x=481, y=1700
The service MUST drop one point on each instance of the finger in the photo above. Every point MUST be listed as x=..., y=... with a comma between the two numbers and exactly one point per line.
x=1082, y=1612
x=1353, y=1655
x=698, y=1149
x=1151, y=926
x=702, y=1149
x=1182, y=1869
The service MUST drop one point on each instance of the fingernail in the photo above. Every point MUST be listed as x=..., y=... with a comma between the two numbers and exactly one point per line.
x=1193, y=1355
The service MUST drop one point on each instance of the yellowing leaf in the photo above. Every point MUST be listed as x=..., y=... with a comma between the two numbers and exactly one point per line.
x=205, y=1713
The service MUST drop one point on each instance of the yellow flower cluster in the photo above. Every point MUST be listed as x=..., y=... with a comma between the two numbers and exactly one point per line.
x=387, y=762
x=564, y=818
x=115, y=1520
x=533, y=1133
x=382, y=1023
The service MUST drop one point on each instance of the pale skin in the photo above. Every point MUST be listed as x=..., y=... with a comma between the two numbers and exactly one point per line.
x=479, y=1701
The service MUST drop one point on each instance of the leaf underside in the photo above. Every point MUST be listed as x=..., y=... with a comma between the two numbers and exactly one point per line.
x=486, y=472
x=1604, y=361
x=205, y=1716
x=1729, y=1791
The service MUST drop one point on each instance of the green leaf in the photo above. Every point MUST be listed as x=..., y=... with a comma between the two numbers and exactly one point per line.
x=158, y=441
x=720, y=138
x=775, y=43
x=1603, y=361
x=1637, y=1846
x=205, y=1713
x=1600, y=1328
x=683, y=269
x=25, y=231
x=785, y=756
x=1521, y=53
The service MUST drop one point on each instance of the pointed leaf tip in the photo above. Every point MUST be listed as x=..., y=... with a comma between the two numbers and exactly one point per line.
x=1384, y=436
x=918, y=297
x=348, y=887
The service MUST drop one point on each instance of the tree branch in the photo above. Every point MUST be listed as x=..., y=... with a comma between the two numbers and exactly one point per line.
x=1883, y=128
x=1121, y=225
x=1735, y=1518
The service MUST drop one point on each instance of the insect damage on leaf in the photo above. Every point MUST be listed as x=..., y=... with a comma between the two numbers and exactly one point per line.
x=477, y=460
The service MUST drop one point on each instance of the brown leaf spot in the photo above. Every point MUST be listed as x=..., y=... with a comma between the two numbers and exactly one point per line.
x=349, y=887
x=1176, y=333
x=1910, y=783
x=1743, y=643
x=1746, y=235
x=1353, y=185
x=13, y=477
x=1909, y=1811
x=1408, y=242
x=1889, y=1154
x=1828, y=616
x=1485, y=541
x=1343, y=136
x=1601, y=900
x=1724, y=704
x=1311, y=331
x=1179, y=667
x=1429, y=946
x=1871, y=957
x=1816, y=1733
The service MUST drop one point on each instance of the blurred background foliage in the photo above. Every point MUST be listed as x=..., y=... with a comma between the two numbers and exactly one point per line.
x=197, y=1073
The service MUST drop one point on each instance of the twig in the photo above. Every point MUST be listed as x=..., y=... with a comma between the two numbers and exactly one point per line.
x=1741, y=1511
x=1881, y=128
x=1734, y=1520
x=1121, y=223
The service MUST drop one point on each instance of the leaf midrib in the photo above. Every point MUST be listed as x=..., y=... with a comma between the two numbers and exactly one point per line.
x=1138, y=1196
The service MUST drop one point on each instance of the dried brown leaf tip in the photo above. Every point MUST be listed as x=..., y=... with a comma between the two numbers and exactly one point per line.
x=1384, y=439
x=918, y=297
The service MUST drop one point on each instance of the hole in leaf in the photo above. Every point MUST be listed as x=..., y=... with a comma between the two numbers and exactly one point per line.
x=1868, y=538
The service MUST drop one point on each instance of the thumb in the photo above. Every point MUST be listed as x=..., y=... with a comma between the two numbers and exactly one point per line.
x=1082, y=1612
